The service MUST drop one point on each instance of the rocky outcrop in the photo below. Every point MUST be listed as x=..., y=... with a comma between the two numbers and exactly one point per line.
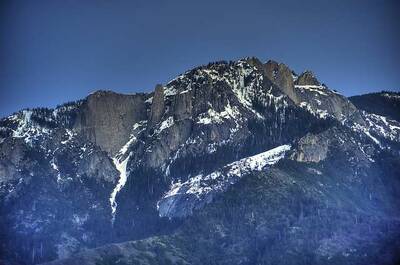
x=157, y=106
x=106, y=118
x=312, y=148
x=182, y=106
x=14, y=159
x=332, y=143
x=323, y=102
x=307, y=79
x=211, y=108
x=99, y=167
x=282, y=76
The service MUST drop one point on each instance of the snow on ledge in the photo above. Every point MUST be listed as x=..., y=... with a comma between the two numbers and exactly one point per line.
x=211, y=116
x=165, y=124
x=317, y=89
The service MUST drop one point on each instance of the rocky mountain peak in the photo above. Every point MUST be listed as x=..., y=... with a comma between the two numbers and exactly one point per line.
x=282, y=76
x=254, y=61
x=111, y=167
x=307, y=78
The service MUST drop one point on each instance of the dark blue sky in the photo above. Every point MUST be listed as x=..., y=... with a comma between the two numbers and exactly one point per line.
x=55, y=51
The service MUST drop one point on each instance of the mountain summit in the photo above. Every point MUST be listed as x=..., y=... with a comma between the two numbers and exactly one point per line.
x=239, y=162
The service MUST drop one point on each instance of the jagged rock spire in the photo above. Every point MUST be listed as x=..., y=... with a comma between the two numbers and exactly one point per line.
x=157, y=106
x=282, y=76
x=307, y=79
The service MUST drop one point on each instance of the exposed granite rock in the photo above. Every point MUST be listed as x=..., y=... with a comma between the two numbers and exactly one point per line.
x=203, y=107
x=170, y=140
x=324, y=102
x=14, y=160
x=157, y=106
x=182, y=105
x=255, y=62
x=282, y=76
x=312, y=148
x=328, y=144
x=98, y=166
x=307, y=79
x=106, y=118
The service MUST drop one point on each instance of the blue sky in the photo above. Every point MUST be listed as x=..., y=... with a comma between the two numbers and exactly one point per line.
x=54, y=51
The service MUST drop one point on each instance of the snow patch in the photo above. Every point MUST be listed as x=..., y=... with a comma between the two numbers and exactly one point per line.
x=312, y=88
x=70, y=135
x=27, y=128
x=79, y=220
x=55, y=167
x=149, y=100
x=121, y=167
x=165, y=124
x=391, y=96
x=211, y=116
x=170, y=91
x=183, y=197
x=319, y=113
x=378, y=127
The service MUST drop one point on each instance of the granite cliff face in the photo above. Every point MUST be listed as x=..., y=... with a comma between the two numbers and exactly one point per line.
x=259, y=164
x=106, y=118
x=283, y=77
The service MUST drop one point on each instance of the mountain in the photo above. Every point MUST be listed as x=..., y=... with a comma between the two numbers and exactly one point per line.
x=238, y=162
x=383, y=103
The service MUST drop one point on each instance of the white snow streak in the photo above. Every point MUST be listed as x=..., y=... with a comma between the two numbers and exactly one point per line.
x=165, y=124
x=322, y=114
x=317, y=89
x=121, y=167
x=377, y=128
x=183, y=197
x=217, y=117
x=238, y=168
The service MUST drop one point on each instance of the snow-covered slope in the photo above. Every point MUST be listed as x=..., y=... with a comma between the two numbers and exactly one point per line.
x=184, y=197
